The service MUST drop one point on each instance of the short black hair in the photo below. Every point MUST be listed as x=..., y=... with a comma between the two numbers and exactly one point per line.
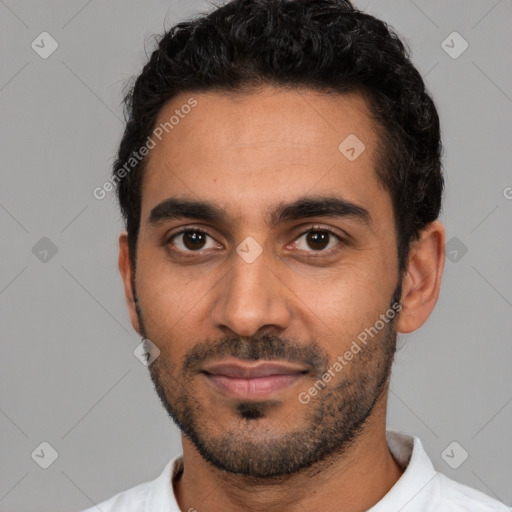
x=325, y=45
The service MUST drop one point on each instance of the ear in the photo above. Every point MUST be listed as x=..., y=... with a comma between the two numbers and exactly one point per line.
x=126, y=270
x=422, y=280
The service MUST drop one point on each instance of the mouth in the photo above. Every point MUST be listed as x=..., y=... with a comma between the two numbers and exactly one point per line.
x=252, y=381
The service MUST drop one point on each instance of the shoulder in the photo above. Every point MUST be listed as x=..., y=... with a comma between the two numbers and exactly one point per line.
x=151, y=495
x=422, y=488
x=131, y=500
x=460, y=497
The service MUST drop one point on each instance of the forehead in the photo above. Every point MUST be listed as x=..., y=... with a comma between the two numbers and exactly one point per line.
x=248, y=151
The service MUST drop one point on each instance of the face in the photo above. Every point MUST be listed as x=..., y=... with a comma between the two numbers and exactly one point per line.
x=267, y=276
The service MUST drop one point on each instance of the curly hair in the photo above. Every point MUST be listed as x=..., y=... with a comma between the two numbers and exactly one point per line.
x=325, y=45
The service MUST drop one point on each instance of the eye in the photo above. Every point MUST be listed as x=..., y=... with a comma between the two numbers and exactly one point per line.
x=193, y=240
x=317, y=240
x=314, y=240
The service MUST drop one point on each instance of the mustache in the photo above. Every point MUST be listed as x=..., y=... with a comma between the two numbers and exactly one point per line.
x=267, y=347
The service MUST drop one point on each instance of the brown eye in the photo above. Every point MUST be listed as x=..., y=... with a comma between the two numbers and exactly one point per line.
x=192, y=240
x=317, y=240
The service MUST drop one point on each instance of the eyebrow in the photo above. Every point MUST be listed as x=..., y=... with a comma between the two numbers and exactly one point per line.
x=304, y=207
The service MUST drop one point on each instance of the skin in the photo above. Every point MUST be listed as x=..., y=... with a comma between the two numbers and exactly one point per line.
x=248, y=153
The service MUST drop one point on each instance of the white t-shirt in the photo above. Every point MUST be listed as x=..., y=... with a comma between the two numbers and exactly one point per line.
x=420, y=488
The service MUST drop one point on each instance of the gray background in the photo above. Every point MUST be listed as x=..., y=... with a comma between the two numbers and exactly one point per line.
x=68, y=375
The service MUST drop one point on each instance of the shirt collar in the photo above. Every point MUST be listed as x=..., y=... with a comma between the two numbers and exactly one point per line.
x=161, y=496
x=418, y=486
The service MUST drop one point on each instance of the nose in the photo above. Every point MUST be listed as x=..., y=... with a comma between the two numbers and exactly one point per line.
x=251, y=297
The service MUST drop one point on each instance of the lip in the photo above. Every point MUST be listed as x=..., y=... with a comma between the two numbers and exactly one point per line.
x=246, y=370
x=257, y=380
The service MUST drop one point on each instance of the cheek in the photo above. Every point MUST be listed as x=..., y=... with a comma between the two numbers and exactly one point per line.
x=171, y=299
x=345, y=304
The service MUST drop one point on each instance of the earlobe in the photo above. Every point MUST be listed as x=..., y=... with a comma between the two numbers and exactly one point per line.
x=422, y=280
x=126, y=271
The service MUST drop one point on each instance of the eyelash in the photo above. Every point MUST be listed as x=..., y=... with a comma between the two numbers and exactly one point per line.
x=315, y=228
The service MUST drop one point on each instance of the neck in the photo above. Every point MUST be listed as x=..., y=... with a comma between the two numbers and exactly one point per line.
x=353, y=481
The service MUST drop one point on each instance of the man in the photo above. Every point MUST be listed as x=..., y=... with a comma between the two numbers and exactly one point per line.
x=280, y=180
